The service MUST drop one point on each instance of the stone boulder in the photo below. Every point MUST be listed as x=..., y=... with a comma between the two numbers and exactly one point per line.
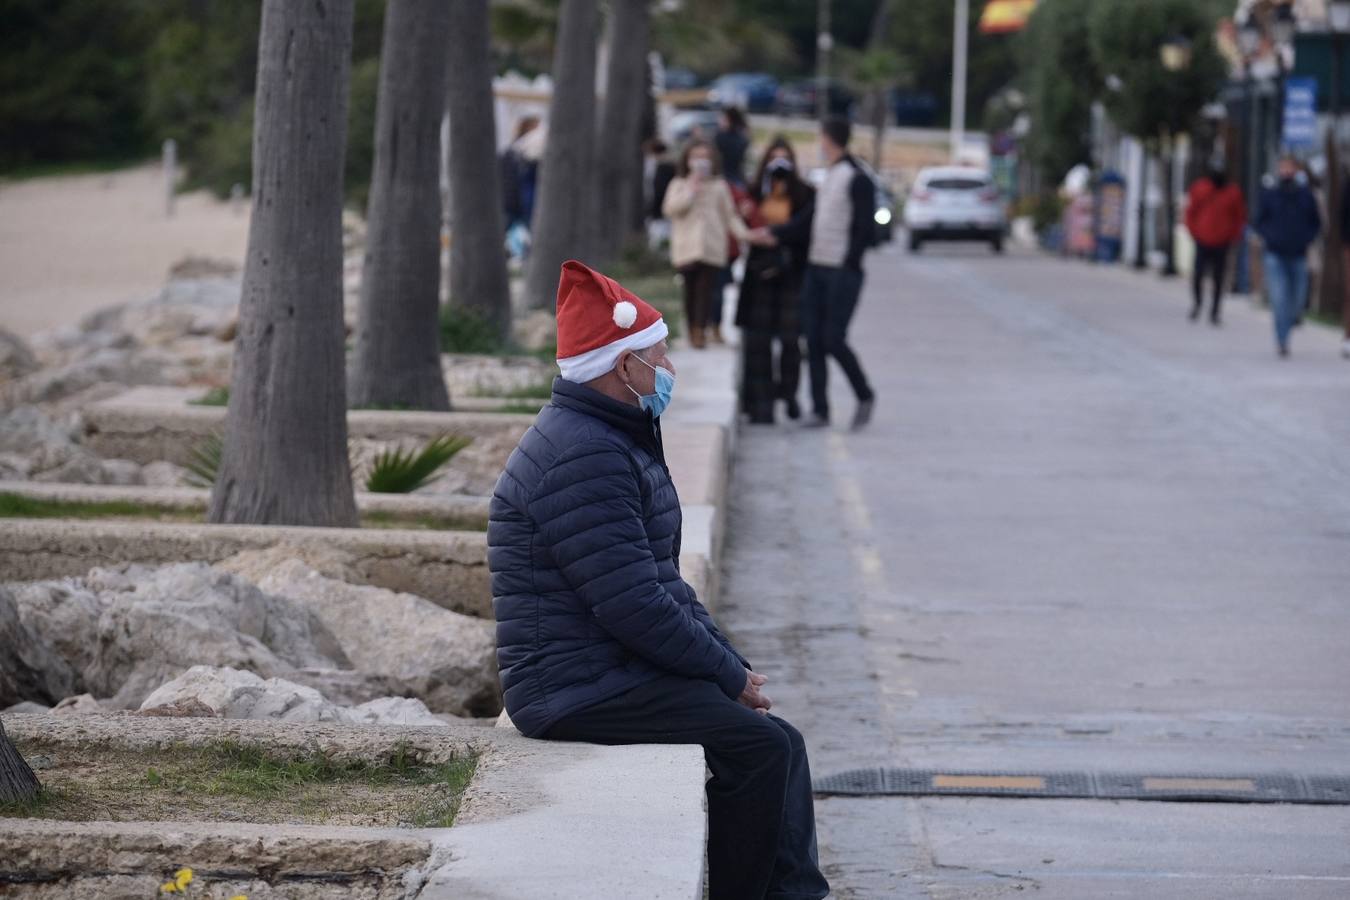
x=66, y=615
x=16, y=358
x=46, y=443
x=445, y=658
x=232, y=694
x=30, y=669
x=160, y=621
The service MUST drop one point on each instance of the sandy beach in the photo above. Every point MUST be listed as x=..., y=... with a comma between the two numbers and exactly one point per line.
x=72, y=244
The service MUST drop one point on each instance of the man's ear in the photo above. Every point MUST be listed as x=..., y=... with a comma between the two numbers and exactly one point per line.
x=621, y=366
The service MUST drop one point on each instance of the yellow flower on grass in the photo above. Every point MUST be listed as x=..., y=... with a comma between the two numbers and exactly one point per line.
x=238, y=897
x=169, y=887
x=182, y=878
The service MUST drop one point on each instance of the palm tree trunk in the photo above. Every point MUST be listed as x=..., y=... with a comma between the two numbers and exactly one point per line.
x=285, y=447
x=398, y=354
x=619, y=164
x=478, y=280
x=566, y=201
x=17, y=781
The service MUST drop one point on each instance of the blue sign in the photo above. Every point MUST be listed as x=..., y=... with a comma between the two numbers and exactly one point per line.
x=1300, y=113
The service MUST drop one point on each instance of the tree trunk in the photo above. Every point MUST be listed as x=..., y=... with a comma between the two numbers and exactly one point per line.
x=285, y=448
x=478, y=280
x=398, y=353
x=877, y=40
x=566, y=190
x=619, y=164
x=17, y=781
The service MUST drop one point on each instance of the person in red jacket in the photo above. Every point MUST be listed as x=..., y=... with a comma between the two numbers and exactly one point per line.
x=1215, y=217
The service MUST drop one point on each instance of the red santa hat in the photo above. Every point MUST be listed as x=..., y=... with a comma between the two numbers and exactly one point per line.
x=597, y=320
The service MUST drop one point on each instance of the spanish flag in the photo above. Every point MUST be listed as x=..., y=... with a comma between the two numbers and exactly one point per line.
x=1006, y=16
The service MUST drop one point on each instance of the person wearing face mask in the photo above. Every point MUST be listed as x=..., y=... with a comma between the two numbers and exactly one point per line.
x=1288, y=222
x=1215, y=217
x=768, y=310
x=702, y=216
x=599, y=639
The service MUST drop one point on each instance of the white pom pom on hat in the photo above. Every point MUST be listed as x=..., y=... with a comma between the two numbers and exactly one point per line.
x=625, y=314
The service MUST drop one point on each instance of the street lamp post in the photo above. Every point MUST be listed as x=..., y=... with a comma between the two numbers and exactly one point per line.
x=1249, y=44
x=1175, y=55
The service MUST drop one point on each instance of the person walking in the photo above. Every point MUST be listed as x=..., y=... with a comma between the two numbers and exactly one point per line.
x=841, y=230
x=768, y=311
x=732, y=143
x=1216, y=217
x=1288, y=222
x=599, y=639
x=1345, y=257
x=702, y=215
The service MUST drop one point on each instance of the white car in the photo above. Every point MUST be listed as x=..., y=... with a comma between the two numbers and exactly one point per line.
x=955, y=203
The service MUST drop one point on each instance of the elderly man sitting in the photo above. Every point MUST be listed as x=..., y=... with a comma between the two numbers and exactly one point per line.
x=599, y=638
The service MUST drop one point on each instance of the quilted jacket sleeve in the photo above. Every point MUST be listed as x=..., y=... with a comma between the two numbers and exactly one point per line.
x=588, y=510
x=701, y=613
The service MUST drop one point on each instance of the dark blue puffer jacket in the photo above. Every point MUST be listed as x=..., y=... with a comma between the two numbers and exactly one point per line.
x=584, y=546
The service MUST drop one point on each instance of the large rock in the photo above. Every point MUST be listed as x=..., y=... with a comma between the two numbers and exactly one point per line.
x=46, y=443
x=161, y=621
x=29, y=668
x=231, y=694
x=446, y=659
x=16, y=358
x=65, y=614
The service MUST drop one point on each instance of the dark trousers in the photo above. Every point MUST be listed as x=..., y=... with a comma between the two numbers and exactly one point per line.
x=700, y=282
x=829, y=297
x=768, y=314
x=761, y=819
x=1209, y=259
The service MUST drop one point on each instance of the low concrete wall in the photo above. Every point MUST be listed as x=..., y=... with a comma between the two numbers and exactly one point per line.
x=147, y=424
x=466, y=512
x=541, y=819
x=446, y=567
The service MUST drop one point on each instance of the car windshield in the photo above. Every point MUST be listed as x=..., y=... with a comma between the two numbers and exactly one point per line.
x=957, y=184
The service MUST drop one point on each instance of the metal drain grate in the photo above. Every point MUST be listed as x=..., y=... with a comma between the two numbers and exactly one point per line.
x=1321, y=789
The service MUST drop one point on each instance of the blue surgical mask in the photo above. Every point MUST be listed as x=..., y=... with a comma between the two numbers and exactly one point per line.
x=665, y=385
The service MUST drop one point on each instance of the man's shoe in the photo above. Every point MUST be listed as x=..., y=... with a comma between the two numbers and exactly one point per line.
x=1215, y=320
x=863, y=414
x=816, y=420
x=1345, y=348
x=1195, y=313
x=1284, y=350
x=794, y=409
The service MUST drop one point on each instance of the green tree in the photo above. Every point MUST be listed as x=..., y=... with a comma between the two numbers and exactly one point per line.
x=1144, y=98
x=1056, y=42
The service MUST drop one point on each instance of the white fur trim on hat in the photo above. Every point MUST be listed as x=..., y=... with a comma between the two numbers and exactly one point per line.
x=592, y=364
x=625, y=314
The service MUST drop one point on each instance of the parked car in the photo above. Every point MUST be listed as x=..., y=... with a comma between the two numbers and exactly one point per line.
x=798, y=98
x=914, y=109
x=684, y=122
x=955, y=203
x=752, y=91
x=678, y=78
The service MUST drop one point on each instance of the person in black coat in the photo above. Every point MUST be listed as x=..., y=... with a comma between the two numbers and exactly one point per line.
x=768, y=311
x=599, y=638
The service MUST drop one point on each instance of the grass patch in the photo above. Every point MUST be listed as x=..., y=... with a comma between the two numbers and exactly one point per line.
x=231, y=782
x=217, y=396
x=28, y=171
x=463, y=331
x=537, y=390
x=17, y=506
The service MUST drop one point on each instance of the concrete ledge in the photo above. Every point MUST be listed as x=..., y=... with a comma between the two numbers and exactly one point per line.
x=463, y=511
x=541, y=819
x=446, y=567
x=147, y=424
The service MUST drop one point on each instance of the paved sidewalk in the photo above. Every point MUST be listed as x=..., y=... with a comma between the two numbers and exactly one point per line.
x=1083, y=534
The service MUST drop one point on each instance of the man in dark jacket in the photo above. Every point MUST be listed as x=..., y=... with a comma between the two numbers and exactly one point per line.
x=1288, y=222
x=840, y=228
x=599, y=639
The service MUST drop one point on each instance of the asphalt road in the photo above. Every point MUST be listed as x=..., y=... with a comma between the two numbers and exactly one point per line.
x=1083, y=534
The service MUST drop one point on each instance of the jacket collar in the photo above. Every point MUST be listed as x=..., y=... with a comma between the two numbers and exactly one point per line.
x=633, y=421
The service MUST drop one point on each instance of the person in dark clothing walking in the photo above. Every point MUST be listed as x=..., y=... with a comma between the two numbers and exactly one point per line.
x=841, y=228
x=769, y=308
x=732, y=144
x=1288, y=222
x=1215, y=217
x=599, y=639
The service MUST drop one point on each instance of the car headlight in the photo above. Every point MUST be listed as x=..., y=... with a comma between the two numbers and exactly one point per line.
x=883, y=216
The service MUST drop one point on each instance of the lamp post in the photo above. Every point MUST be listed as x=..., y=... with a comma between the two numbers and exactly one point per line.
x=1334, y=262
x=1249, y=36
x=1175, y=55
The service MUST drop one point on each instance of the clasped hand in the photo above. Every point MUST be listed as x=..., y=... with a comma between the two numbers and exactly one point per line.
x=752, y=696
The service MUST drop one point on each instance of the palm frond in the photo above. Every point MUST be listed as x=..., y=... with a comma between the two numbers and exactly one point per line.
x=402, y=471
x=203, y=463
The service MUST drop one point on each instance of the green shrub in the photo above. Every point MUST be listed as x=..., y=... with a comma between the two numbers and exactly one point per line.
x=400, y=471
x=204, y=461
x=464, y=331
x=216, y=396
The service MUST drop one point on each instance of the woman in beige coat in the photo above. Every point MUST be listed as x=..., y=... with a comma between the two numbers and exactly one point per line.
x=702, y=216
